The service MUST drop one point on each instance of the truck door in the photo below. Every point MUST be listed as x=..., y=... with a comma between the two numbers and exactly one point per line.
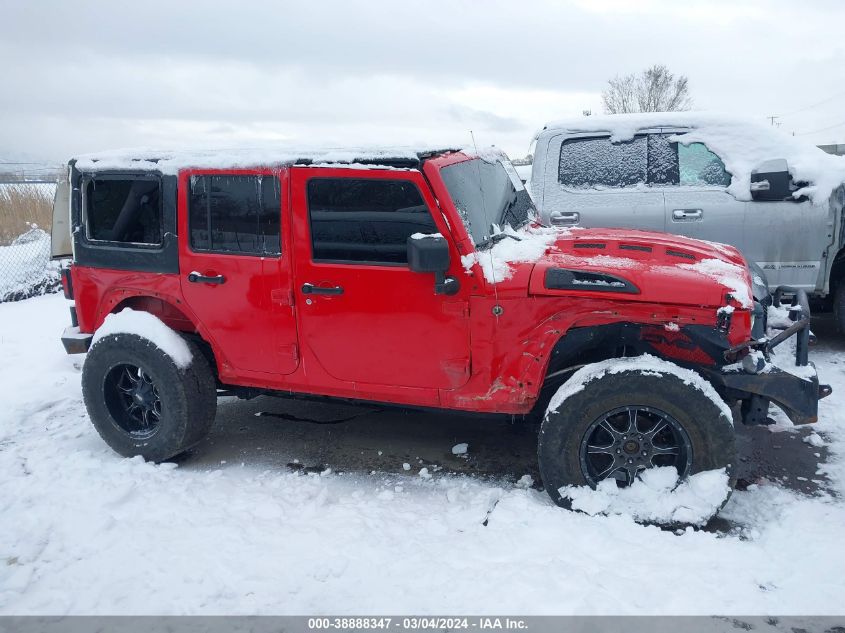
x=363, y=315
x=235, y=267
x=697, y=202
x=590, y=181
x=789, y=241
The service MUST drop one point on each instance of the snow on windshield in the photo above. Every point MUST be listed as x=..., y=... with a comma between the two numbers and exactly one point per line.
x=743, y=145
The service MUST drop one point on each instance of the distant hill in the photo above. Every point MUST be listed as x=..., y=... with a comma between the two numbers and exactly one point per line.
x=15, y=167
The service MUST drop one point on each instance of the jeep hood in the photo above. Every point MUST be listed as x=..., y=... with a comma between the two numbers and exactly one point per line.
x=642, y=266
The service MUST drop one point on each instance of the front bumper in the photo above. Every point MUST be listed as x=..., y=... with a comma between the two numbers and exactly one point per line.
x=793, y=385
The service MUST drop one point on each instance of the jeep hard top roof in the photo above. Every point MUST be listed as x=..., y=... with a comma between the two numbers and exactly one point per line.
x=171, y=161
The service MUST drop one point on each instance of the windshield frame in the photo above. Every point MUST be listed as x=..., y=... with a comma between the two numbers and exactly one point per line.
x=505, y=177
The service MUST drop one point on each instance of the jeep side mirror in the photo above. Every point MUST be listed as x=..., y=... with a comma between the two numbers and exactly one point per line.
x=771, y=180
x=430, y=254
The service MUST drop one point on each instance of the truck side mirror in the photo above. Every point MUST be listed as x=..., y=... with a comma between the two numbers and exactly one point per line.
x=430, y=254
x=771, y=180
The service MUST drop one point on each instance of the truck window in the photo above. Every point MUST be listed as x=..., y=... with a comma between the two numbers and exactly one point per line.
x=699, y=166
x=365, y=220
x=235, y=214
x=123, y=209
x=662, y=160
x=587, y=163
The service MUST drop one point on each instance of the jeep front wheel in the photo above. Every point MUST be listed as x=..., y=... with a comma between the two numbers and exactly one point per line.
x=141, y=402
x=615, y=419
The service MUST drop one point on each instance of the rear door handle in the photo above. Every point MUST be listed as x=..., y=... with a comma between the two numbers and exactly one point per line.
x=311, y=289
x=687, y=214
x=559, y=218
x=196, y=278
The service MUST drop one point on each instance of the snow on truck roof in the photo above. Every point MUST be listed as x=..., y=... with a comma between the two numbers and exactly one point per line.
x=171, y=161
x=742, y=144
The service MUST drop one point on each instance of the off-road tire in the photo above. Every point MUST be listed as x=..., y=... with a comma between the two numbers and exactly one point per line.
x=188, y=396
x=710, y=431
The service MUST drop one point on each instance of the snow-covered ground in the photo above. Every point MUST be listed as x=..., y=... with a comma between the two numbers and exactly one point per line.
x=85, y=531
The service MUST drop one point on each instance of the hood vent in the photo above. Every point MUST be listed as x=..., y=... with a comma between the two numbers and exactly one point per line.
x=566, y=279
x=688, y=256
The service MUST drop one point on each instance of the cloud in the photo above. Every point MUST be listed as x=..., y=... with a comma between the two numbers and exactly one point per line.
x=87, y=75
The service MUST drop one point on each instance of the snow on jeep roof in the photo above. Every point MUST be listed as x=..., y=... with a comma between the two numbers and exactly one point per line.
x=171, y=161
x=741, y=143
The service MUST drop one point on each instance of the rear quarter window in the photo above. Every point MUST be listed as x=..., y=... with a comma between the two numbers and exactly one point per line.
x=596, y=163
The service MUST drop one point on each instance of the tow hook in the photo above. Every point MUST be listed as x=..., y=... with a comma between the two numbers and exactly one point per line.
x=825, y=391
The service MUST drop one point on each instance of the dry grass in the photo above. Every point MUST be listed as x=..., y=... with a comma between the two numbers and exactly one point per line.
x=24, y=205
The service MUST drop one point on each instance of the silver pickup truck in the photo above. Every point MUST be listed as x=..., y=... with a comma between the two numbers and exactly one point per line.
x=777, y=199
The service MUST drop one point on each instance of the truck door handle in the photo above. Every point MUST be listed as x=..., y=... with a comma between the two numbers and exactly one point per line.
x=559, y=218
x=311, y=289
x=196, y=278
x=687, y=214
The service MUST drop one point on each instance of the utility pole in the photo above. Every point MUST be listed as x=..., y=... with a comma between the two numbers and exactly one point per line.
x=772, y=119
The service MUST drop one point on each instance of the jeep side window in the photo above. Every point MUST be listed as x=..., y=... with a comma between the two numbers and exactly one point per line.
x=699, y=166
x=365, y=220
x=235, y=214
x=123, y=209
x=596, y=163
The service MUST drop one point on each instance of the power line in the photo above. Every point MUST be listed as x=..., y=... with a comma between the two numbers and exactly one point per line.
x=813, y=105
x=824, y=129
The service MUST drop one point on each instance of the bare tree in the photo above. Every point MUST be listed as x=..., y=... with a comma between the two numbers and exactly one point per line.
x=655, y=89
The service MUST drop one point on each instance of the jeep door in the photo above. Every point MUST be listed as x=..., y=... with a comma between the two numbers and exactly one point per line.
x=592, y=182
x=235, y=269
x=364, y=317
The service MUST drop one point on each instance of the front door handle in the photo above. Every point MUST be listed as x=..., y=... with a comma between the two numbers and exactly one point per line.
x=561, y=218
x=311, y=289
x=687, y=214
x=196, y=278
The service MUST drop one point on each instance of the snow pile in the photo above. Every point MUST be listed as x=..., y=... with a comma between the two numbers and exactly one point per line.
x=656, y=497
x=645, y=364
x=731, y=276
x=743, y=145
x=150, y=327
x=460, y=449
x=77, y=522
x=527, y=244
x=25, y=266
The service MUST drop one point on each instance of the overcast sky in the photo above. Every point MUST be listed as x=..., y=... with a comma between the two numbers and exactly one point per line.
x=84, y=76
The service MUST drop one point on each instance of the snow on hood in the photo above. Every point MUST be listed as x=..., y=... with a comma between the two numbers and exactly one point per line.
x=742, y=144
x=528, y=244
x=552, y=246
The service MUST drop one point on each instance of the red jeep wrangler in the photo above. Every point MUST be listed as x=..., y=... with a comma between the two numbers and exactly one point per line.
x=413, y=278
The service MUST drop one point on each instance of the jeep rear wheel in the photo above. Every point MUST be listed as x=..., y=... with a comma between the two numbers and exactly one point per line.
x=625, y=421
x=141, y=402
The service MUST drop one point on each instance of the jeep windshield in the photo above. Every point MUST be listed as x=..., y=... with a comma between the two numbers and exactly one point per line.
x=487, y=194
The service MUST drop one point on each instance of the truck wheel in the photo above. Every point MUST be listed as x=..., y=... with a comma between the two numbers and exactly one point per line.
x=839, y=306
x=141, y=402
x=623, y=422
